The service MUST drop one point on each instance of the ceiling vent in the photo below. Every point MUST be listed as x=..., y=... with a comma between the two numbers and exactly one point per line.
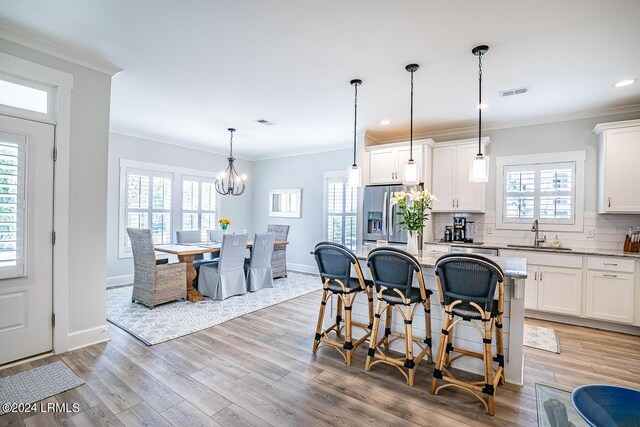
x=265, y=122
x=516, y=91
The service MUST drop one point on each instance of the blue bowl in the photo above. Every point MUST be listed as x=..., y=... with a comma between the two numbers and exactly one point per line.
x=607, y=406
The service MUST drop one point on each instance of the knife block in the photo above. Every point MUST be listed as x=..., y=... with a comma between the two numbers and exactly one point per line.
x=631, y=247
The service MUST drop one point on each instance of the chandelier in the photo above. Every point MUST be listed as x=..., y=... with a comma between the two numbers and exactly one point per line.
x=230, y=181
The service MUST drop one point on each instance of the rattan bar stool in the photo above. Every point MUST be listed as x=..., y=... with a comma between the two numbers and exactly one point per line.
x=392, y=271
x=335, y=262
x=467, y=285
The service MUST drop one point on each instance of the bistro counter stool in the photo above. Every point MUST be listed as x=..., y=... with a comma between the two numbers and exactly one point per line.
x=467, y=286
x=392, y=271
x=334, y=264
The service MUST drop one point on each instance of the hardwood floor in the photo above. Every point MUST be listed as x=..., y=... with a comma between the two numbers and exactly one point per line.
x=258, y=370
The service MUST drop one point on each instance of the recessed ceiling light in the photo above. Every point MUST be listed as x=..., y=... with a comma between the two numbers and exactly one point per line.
x=482, y=106
x=626, y=82
x=385, y=122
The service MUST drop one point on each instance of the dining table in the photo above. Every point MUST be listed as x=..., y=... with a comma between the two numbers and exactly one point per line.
x=187, y=252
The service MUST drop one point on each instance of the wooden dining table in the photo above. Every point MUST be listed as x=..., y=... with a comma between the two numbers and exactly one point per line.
x=187, y=254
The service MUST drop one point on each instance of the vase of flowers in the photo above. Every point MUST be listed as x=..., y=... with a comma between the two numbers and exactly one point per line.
x=414, y=207
x=224, y=223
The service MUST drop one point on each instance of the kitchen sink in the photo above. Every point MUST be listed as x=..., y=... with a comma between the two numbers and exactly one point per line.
x=550, y=248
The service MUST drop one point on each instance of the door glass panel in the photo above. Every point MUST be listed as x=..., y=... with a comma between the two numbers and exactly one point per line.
x=12, y=205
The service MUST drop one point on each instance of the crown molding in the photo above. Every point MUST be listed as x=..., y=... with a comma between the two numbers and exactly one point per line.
x=44, y=46
x=614, y=125
x=304, y=153
x=456, y=132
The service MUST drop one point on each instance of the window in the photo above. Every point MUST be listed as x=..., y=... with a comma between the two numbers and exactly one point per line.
x=148, y=198
x=540, y=187
x=198, y=205
x=25, y=99
x=12, y=205
x=164, y=199
x=341, y=204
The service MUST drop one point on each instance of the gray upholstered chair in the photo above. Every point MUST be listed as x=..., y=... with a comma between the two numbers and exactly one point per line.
x=467, y=284
x=335, y=263
x=194, y=236
x=155, y=281
x=393, y=271
x=226, y=278
x=279, y=257
x=258, y=267
x=215, y=235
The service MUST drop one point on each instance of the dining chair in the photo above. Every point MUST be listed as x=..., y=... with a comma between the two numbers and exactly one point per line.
x=259, y=271
x=226, y=278
x=155, y=281
x=215, y=235
x=279, y=257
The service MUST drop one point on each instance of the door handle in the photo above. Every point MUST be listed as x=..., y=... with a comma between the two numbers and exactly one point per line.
x=609, y=201
x=541, y=276
x=610, y=275
x=610, y=263
x=385, y=206
x=535, y=277
x=457, y=203
x=453, y=203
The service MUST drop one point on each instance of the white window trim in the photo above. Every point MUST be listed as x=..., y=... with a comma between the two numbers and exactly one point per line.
x=48, y=117
x=579, y=157
x=176, y=195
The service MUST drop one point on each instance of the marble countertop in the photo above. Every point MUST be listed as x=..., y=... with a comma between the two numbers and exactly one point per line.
x=515, y=268
x=544, y=249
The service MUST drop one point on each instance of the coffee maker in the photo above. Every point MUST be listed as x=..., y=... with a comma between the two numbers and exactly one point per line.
x=458, y=228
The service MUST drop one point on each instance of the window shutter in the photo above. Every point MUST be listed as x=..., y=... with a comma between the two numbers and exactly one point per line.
x=13, y=205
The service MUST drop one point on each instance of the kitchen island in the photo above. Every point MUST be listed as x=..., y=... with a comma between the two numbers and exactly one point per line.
x=515, y=271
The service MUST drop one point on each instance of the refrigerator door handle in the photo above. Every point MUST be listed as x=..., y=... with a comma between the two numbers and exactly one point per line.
x=385, y=226
x=392, y=220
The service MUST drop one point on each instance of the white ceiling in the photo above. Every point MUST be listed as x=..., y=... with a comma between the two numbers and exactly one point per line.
x=193, y=68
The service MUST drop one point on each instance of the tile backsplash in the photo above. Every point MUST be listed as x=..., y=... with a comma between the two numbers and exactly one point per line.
x=608, y=231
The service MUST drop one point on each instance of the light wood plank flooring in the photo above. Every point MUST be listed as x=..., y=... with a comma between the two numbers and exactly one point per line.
x=258, y=370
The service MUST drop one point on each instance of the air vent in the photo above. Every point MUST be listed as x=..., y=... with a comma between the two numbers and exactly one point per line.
x=265, y=122
x=516, y=91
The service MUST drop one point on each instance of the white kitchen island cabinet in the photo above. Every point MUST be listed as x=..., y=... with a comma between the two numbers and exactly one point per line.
x=515, y=270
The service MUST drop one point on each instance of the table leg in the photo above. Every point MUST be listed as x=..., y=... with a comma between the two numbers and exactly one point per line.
x=192, y=293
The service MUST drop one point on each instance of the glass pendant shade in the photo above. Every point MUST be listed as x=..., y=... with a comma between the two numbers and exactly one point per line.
x=354, y=176
x=479, y=169
x=410, y=176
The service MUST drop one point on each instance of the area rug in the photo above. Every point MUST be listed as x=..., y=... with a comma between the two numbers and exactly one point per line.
x=541, y=338
x=31, y=386
x=168, y=321
x=555, y=409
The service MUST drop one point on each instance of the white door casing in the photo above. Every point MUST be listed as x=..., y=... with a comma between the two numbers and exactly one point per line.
x=26, y=299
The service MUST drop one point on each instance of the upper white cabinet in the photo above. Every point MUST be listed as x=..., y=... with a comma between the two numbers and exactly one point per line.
x=618, y=154
x=386, y=163
x=450, y=179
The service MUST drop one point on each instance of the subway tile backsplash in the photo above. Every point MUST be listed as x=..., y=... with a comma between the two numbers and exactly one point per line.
x=608, y=231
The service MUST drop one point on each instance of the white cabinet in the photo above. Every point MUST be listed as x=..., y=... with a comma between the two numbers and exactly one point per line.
x=531, y=288
x=618, y=154
x=610, y=296
x=450, y=180
x=560, y=290
x=386, y=165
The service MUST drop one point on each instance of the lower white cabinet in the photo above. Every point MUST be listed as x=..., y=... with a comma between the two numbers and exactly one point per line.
x=610, y=296
x=554, y=289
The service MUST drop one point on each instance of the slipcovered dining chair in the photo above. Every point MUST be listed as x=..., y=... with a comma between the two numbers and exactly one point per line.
x=226, y=278
x=155, y=281
x=279, y=257
x=194, y=236
x=259, y=272
x=215, y=235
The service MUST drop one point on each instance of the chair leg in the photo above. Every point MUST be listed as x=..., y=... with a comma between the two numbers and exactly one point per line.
x=437, y=371
x=374, y=334
x=323, y=305
x=427, y=321
x=338, y=316
x=387, y=327
x=500, y=346
x=448, y=347
x=370, y=306
x=489, y=388
x=409, y=363
x=348, y=344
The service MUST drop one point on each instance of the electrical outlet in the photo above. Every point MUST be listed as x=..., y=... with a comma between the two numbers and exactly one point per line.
x=590, y=233
x=489, y=230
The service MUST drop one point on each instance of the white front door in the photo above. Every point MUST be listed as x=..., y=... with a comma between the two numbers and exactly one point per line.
x=26, y=252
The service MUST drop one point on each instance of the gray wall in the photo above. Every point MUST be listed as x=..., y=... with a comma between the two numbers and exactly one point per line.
x=90, y=101
x=238, y=209
x=306, y=172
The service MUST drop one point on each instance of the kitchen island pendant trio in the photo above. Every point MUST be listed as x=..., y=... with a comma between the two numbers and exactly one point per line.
x=479, y=168
x=354, y=173
x=230, y=182
x=410, y=176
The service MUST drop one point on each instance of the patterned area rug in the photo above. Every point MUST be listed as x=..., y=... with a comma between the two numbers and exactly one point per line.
x=31, y=386
x=176, y=319
x=541, y=338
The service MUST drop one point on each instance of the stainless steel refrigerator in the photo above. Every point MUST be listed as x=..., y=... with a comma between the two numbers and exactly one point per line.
x=380, y=218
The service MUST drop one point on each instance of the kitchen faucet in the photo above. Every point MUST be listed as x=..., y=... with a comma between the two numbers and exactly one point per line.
x=536, y=239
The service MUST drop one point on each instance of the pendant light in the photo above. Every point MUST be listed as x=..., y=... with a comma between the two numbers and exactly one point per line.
x=230, y=182
x=479, y=169
x=410, y=176
x=354, y=173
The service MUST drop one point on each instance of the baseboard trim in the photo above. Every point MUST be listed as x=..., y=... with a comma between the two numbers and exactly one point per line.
x=88, y=337
x=302, y=268
x=120, y=280
x=588, y=323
